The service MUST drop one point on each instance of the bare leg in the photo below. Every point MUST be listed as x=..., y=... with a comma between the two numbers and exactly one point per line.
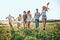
x=18, y=25
x=10, y=25
x=28, y=24
x=44, y=23
x=24, y=25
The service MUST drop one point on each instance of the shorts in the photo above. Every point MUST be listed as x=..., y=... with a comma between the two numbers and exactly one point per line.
x=10, y=21
x=44, y=16
x=19, y=22
x=28, y=20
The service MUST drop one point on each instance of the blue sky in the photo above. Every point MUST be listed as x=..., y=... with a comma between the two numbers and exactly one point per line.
x=16, y=7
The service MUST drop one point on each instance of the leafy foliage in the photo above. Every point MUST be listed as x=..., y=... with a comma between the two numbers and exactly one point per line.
x=30, y=34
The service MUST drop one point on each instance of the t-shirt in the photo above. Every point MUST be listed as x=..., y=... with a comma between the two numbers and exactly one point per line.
x=10, y=18
x=37, y=15
x=24, y=16
x=43, y=12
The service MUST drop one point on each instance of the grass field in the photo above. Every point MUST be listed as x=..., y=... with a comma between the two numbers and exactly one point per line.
x=52, y=32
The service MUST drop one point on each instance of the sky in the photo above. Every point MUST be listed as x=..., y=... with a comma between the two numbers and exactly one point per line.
x=16, y=7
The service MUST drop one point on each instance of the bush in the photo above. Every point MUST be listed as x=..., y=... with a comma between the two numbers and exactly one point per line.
x=30, y=38
x=18, y=38
x=4, y=33
x=28, y=32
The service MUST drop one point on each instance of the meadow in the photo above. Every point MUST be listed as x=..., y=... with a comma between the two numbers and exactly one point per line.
x=52, y=32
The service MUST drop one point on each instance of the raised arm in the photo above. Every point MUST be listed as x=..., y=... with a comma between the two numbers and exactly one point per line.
x=47, y=6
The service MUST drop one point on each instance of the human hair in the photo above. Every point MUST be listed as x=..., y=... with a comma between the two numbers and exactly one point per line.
x=24, y=11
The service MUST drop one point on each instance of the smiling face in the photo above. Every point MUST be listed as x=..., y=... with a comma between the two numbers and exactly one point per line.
x=43, y=8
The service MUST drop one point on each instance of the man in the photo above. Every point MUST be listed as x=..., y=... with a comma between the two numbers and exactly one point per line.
x=37, y=15
x=10, y=20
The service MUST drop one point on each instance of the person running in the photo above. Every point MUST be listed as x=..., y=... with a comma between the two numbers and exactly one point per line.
x=36, y=16
x=10, y=20
x=19, y=18
x=24, y=18
x=29, y=16
x=44, y=16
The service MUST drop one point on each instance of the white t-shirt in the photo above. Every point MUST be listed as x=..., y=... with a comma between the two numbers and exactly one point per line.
x=37, y=15
x=10, y=18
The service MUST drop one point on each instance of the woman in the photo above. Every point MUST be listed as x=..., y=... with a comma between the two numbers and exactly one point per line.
x=29, y=16
x=24, y=18
x=19, y=20
x=44, y=16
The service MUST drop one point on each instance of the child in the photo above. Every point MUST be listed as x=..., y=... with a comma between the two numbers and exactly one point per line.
x=37, y=15
x=19, y=20
x=24, y=18
x=10, y=20
x=44, y=16
x=29, y=16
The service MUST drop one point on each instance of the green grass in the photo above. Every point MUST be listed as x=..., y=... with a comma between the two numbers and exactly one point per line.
x=52, y=32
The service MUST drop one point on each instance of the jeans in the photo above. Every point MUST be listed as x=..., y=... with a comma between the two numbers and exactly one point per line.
x=37, y=23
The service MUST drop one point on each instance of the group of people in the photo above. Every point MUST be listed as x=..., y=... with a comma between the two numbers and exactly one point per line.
x=27, y=17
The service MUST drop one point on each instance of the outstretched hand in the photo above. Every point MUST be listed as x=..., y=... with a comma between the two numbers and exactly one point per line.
x=48, y=3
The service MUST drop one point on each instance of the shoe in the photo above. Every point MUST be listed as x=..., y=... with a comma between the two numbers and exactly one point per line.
x=43, y=28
